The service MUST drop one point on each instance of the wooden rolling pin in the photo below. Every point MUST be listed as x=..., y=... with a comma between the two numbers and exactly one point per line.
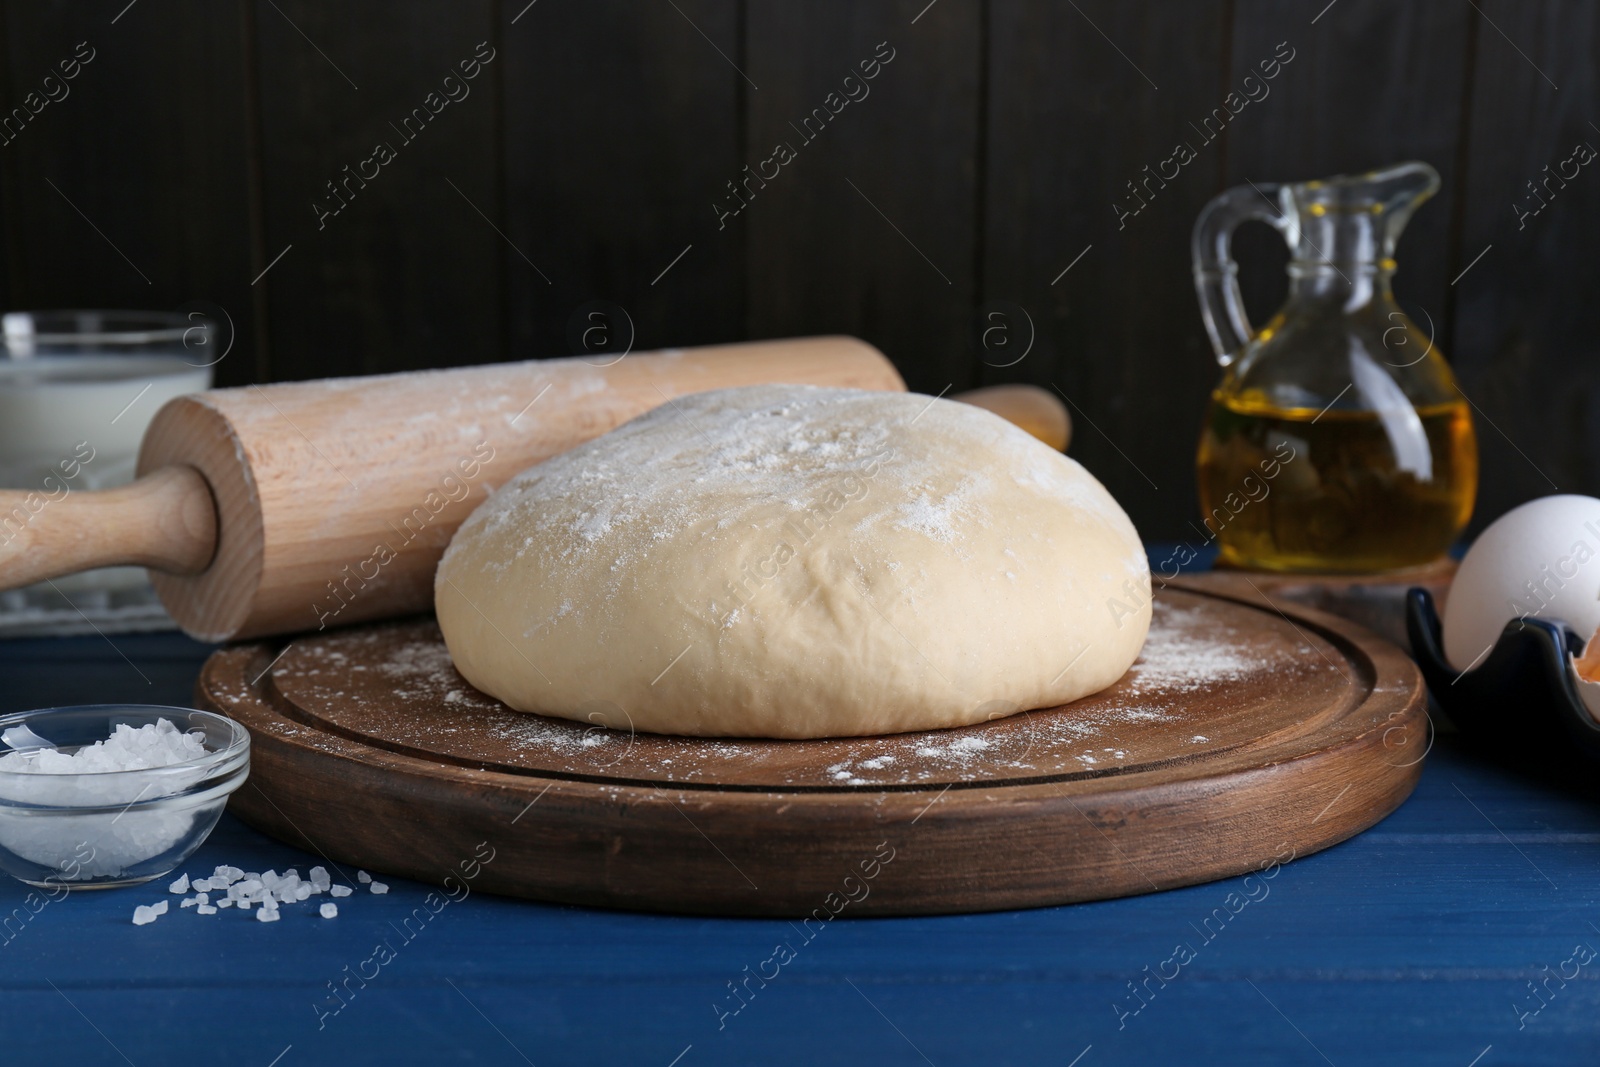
x=1028, y=407
x=282, y=508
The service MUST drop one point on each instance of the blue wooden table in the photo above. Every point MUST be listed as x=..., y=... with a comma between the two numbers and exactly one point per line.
x=1462, y=930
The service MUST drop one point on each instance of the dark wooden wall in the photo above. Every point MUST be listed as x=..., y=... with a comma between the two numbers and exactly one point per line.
x=187, y=155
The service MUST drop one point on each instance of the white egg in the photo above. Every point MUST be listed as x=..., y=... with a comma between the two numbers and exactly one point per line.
x=1540, y=560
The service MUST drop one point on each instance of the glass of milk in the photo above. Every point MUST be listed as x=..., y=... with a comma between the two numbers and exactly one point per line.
x=77, y=390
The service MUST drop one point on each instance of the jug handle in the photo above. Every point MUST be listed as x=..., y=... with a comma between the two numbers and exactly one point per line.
x=1216, y=275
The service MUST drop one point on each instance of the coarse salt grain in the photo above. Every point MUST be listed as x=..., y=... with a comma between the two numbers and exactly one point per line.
x=363, y=877
x=379, y=888
x=341, y=890
x=181, y=886
x=329, y=911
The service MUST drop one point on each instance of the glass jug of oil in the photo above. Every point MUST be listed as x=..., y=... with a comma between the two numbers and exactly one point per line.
x=1337, y=440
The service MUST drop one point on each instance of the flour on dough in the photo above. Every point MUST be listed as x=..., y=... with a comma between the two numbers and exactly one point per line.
x=796, y=561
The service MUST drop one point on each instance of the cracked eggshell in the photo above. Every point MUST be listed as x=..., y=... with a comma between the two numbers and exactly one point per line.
x=1588, y=692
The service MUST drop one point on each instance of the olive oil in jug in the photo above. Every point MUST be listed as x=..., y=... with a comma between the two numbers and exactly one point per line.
x=1337, y=440
x=1344, y=498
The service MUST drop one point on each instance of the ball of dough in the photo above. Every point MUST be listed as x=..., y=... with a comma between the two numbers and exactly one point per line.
x=795, y=561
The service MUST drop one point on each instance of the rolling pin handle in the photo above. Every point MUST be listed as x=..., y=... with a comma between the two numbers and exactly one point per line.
x=166, y=521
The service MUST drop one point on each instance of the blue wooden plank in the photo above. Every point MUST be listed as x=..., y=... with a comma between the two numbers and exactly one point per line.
x=46, y=672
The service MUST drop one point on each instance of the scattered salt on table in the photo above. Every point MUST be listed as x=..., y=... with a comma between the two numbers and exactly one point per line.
x=147, y=913
x=262, y=892
x=181, y=886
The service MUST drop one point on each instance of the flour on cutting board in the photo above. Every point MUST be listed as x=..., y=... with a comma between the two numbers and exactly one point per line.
x=1184, y=655
x=1189, y=652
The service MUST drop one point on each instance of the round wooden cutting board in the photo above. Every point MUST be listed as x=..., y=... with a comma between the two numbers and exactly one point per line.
x=1244, y=736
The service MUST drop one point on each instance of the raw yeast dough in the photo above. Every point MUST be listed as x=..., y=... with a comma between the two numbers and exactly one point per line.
x=794, y=561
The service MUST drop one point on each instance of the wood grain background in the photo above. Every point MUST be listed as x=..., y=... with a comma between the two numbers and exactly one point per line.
x=589, y=155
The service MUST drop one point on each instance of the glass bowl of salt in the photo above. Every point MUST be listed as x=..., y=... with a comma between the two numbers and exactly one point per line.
x=106, y=795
